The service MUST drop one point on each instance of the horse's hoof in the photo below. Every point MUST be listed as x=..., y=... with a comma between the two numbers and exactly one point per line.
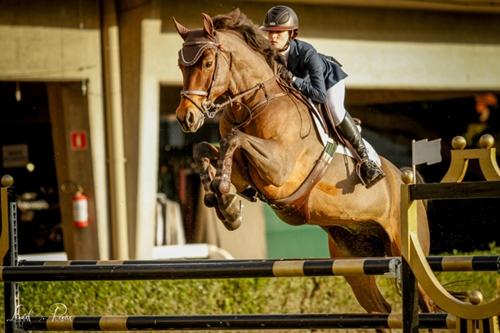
x=231, y=209
x=210, y=200
x=232, y=225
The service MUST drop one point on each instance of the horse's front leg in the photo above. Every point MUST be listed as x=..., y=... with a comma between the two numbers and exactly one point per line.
x=270, y=159
x=203, y=152
x=226, y=206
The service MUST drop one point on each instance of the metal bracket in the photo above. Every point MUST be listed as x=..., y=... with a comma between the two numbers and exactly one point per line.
x=394, y=269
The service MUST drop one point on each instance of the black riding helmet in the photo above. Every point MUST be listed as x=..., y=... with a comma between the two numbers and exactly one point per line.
x=281, y=18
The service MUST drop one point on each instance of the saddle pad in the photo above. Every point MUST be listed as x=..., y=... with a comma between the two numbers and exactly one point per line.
x=342, y=149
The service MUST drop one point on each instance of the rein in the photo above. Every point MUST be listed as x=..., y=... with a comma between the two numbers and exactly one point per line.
x=252, y=113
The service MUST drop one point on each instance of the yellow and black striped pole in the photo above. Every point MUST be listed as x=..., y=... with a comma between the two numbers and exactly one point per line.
x=232, y=322
x=79, y=270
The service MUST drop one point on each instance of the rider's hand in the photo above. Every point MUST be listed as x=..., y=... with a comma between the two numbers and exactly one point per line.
x=286, y=75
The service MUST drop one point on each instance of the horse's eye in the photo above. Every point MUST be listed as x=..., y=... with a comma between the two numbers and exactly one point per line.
x=208, y=64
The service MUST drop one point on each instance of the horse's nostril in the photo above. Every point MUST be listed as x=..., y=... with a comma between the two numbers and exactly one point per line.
x=190, y=117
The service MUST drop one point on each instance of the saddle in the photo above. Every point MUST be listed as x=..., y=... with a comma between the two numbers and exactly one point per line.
x=327, y=124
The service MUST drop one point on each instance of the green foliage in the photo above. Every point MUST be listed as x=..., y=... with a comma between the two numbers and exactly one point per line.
x=224, y=296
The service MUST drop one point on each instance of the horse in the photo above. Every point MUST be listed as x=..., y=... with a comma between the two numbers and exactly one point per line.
x=269, y=142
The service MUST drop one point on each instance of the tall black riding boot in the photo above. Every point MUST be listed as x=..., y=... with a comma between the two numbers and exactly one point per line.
x=368, y=171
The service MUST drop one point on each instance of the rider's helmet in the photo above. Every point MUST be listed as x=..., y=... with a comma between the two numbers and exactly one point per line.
x=281, y=18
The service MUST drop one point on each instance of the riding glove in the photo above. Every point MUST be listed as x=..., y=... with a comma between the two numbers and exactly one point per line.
x=286, y=75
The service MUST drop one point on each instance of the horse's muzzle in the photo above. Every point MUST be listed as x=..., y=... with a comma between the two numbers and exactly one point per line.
x=190, y=119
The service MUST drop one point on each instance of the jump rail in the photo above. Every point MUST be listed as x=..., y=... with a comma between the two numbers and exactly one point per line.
x=209, y=269
x=233, y=322
x=451, y=187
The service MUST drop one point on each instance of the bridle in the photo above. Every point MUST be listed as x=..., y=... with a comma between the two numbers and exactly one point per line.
x=208, y=107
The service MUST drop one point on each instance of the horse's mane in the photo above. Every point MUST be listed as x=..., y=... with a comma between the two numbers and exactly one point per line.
x=250, y=32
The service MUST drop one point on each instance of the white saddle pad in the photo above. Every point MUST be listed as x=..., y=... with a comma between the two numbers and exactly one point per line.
x=372, y=153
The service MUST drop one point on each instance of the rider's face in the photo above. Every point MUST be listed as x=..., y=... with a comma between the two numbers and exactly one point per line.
x=278, y=39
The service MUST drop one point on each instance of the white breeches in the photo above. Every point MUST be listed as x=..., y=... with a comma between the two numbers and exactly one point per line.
x=335, y=102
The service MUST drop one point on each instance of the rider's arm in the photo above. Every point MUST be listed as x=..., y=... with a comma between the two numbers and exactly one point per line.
x=312, y=86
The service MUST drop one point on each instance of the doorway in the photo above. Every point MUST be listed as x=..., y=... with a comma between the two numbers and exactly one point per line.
x=28, y=156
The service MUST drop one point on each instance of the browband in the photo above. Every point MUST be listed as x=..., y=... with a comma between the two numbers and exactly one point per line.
x=192, y=51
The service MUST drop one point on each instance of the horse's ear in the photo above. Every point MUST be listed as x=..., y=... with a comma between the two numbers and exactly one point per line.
x=235, y=14
x=208, y=25
x=182, y=30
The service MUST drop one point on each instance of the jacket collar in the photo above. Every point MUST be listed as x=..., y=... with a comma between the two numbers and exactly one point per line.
x=293, y=55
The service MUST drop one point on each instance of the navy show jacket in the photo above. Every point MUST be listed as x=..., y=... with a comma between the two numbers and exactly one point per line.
x=314, y=72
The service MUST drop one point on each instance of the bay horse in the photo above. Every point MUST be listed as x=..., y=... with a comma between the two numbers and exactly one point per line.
x=269, y=142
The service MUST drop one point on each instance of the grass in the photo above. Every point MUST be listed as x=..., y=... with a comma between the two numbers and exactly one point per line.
x=224, y=296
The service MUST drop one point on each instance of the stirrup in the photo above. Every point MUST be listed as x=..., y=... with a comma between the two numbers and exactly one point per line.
x=379, y=174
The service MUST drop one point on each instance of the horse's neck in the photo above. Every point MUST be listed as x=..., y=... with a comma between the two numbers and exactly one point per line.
x=249, y=68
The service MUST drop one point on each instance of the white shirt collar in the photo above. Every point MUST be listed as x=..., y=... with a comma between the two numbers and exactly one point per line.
x=286, y=52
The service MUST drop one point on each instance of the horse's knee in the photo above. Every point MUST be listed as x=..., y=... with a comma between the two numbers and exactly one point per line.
x=221, y=184
x=204, y=149
x=198, y=150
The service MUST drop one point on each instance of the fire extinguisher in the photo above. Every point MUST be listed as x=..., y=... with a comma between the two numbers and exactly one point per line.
x=80, y=210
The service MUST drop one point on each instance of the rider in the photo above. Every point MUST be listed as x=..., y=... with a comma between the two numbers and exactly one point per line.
x=319, y=78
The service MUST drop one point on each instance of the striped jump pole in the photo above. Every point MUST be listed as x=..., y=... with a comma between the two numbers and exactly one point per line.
x=112, y=270
x=208, y=269
x=375, y=265
x=231, y=322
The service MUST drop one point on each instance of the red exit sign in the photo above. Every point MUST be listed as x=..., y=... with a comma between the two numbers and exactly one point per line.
x=79, y=140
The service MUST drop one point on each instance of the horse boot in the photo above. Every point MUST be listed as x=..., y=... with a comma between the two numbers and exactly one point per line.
x=368, y=171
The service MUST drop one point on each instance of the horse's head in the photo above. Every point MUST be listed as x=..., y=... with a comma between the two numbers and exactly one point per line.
x=204, y=75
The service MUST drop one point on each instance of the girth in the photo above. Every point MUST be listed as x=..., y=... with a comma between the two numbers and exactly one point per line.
x=298, y=201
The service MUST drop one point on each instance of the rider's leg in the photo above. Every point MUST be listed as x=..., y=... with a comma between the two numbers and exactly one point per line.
x=368, y=171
